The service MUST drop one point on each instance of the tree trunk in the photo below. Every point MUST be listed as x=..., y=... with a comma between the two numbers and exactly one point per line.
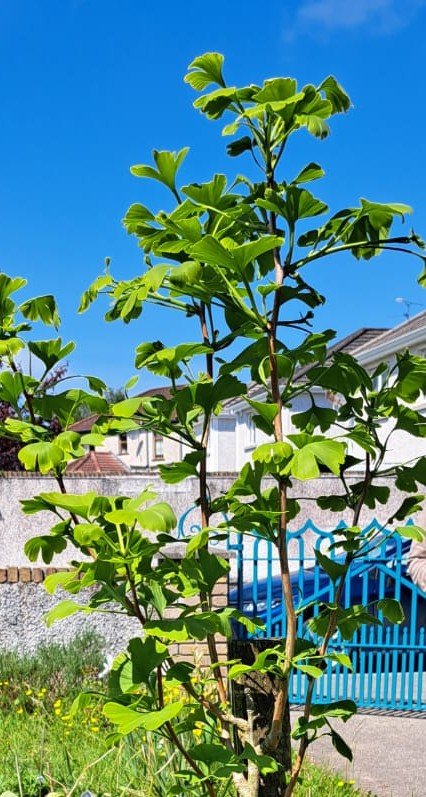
x=263, y=689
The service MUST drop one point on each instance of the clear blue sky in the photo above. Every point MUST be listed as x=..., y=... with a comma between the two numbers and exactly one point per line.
x=89, y=87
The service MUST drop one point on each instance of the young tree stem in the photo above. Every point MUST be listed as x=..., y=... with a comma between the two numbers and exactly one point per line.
x=332, y=625
x=205, y=509
x=272, y=740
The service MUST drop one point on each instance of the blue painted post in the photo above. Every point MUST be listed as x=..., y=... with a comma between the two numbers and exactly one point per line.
x=421, y=698
x=387, y=701
x=269, y=590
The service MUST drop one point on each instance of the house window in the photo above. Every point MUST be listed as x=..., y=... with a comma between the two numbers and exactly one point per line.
x=158, y=446
x=251, y=432
x=122, y=444
x=377, y=382
x=380, y=380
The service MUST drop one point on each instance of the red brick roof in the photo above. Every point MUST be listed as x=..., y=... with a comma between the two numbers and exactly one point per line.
x=159, y=391
x=100, y=462
x=85, y=424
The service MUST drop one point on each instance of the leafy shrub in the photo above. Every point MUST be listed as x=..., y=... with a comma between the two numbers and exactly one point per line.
x=53, y=670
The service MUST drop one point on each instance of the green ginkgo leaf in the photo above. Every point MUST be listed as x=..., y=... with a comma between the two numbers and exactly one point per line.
x=42, y=456
x=42, y=308
x=205, y=69
x=167, y=163
x=128, y=719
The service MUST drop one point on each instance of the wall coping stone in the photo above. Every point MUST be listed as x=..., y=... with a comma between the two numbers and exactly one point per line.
x=177, y=550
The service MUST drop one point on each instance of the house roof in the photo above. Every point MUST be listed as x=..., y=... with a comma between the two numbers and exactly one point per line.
x=349, y=344
x=166, y=392
x=98, y=462
x=84, y=424
x=411, y=325
x=365, y=336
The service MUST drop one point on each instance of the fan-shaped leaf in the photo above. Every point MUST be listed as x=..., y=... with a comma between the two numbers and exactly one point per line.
x=205, y=69
x=41, y=308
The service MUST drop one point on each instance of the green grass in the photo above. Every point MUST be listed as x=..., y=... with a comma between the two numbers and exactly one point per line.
x=71, y=761
x=45, y=751
x=321, y=782
x=59, y=669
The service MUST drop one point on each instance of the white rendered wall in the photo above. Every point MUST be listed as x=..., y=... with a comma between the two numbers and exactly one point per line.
x=141, y=450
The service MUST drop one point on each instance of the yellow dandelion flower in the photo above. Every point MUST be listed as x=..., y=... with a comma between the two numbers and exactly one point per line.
x=95, y=729
x=43, y=690
x=340, y=784
x=57, y=703
x=28, y=692
x=6, y=683
x=20, y=710
x=67, y=733
x=197, y=731
x=351, y=782
x=40, y=694
x=58, y=712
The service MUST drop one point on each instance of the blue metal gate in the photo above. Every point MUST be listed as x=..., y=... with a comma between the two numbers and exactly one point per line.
x=388, y=660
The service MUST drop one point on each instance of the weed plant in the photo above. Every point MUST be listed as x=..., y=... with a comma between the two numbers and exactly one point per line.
x=46, y=751
x=53, y=670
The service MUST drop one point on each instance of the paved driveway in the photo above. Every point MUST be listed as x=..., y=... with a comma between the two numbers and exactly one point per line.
x=389, y=753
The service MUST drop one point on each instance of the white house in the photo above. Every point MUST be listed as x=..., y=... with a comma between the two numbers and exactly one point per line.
x=411, y=335
x=139, y=450
x=247, y=437
x=370, y=346
x=142, y=450
x=233, y=434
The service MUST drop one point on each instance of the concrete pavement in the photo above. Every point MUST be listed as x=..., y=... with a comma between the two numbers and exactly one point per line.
x=389, y=753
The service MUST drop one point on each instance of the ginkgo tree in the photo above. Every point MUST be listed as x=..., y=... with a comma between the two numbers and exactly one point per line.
x=233, y=258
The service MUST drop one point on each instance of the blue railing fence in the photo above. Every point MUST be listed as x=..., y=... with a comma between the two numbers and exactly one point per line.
x=389, y=661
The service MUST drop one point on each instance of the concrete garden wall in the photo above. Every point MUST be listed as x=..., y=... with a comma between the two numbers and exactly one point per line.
x=23, y=600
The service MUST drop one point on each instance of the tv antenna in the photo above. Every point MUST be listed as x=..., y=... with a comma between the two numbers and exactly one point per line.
x=408, y=304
